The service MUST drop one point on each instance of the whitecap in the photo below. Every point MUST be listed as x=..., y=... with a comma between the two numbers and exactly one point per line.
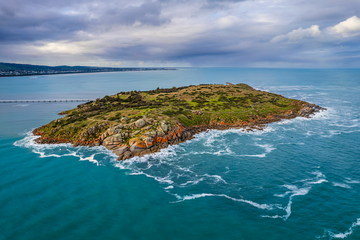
x=256, y=155
x=257, y=205
x=165, y=179
x=210, y=137
x=90, y=159
x=222, y=152
x=346, y=126
x=298, y=191
x=347, y=233
x=268, y=149
x=197, y=179
x=21, y=105
x=194, y=196
x=318, y=174
x=214, y=133
x=217, y=178
x=282, y=195
x=201, y=195
x=136, y=173
x=186, y=169
x=275, y=216
x=194, y=182
x=318, y=181
x=342, y=185
x=56, y=149
x=337, y=132
x=350, y=181
x=227, y=151
x=323, y=115
x=165, y=154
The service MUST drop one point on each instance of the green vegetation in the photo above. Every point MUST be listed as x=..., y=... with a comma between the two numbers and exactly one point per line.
x=191, y=105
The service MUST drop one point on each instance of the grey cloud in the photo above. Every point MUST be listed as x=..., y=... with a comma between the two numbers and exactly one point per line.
x=220, y=4
x=42, y=26
x=56, y=20
x=4, y=11
x=117, y=26
x=146, y=13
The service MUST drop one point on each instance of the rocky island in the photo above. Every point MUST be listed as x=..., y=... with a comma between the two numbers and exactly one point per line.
x=142, y=122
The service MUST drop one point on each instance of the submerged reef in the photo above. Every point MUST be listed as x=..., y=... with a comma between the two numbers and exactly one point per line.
x=142, y=122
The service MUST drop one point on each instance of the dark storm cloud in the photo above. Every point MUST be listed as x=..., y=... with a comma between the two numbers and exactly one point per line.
x=198, y=33
x=41, y=26
x=39, y=20
x=31, y=24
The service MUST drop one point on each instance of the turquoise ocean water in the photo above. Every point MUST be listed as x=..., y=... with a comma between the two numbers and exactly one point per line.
x=297, y=179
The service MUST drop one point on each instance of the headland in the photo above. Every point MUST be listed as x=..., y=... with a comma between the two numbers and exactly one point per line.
x=17, y=70
x=137, y=123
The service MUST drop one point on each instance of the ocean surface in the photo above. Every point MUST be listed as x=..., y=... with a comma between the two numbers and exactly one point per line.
x=297, y=179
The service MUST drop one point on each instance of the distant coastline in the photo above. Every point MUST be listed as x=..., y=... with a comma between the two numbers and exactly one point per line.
x=20, y=70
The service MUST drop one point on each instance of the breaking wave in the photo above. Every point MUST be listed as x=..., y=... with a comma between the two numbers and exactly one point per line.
x=350, y=181
x=298, y=191
x=343, y=235
x=254, y=204
x=64, y=150
x=342, y=185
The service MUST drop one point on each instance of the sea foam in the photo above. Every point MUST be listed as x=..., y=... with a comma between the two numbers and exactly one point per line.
x=201, y=195
x=298, y=191
x=345, y=234
x=62, y=150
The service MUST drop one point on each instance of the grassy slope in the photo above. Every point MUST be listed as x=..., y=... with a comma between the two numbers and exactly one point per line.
x=222, y=103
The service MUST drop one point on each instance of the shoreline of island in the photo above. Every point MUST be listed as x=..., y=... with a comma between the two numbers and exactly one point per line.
x=175, y=134
x=136, y=123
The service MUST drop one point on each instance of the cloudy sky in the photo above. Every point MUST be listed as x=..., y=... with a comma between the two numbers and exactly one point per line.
x=204, y=33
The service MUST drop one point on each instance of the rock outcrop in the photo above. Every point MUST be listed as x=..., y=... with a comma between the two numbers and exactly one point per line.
x=165, y=135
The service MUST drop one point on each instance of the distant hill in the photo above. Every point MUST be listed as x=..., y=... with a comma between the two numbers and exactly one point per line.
x=15, y=69
x=29, y=67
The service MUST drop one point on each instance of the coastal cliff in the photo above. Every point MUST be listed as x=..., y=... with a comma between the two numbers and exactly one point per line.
x=139, y=123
